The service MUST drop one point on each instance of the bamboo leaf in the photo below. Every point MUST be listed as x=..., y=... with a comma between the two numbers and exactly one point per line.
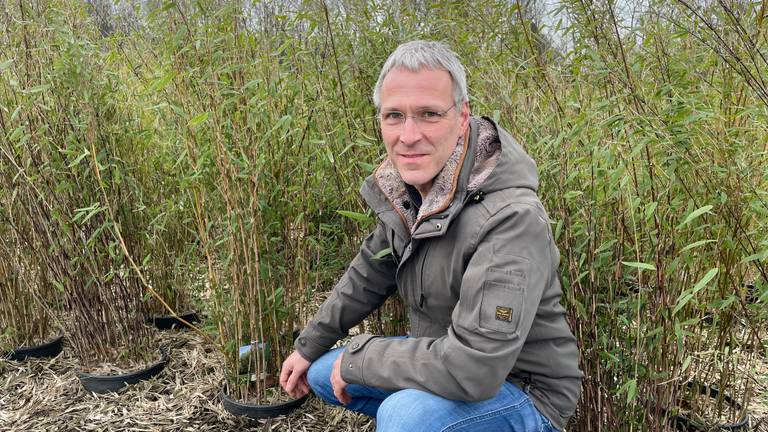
x=639, y=265
x=705, y=280
x=630, y=388
x=756, y=257
x=367, y=168
x=5, y=65
x=382, y=253
x=79, y=158
x=686, y=363
x=605, y=246
x=360, y=217
x=686, y=296
x=650, y=209
x=681, y=302
x=59, y=286
x=199, y=119
x=695, y=244
x=694, y=214
x=37, y=89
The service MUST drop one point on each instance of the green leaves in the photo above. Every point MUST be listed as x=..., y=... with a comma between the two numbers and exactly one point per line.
x=359, y=217
x=199, y=119
x=161, y=82
x=630, y=389
x=82, y=215
x=382, y=253
x=695, y=245
x=37, y=89
x=760, y=256
x=639, y=265
x=77, y=160
x=687, y=295
x=694, y=214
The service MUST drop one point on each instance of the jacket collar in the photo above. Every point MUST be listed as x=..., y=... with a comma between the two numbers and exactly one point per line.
x=385, y=192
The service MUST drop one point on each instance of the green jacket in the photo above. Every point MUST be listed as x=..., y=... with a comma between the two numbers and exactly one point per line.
x=477, y=267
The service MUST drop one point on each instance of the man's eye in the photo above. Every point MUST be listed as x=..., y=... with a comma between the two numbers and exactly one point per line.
x=431, y=115
x=393, y=115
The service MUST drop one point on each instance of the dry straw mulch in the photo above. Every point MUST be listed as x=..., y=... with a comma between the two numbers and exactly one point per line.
x=46, y=395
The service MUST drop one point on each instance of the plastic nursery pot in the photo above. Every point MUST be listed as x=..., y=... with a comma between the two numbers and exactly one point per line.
x=753, y=294
x=167, y=322
x=48, y=349
x=684, y=423
x=253, y=411
x=113, y=383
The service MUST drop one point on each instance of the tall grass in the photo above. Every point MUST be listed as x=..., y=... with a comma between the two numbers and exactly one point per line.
x=227, y=141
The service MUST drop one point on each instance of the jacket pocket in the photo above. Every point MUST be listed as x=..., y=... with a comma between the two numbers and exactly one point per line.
x=501, y=305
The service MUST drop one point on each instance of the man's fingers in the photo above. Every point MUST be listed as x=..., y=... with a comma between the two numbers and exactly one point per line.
x=339, y=390
x=304, y=385
x=343, y=397
x=285, y=372
x=293, y=378
x=293, y=375
x=339, y=395
x=338, y=383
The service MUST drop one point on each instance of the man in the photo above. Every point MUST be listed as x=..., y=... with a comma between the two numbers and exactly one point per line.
x=467, y=244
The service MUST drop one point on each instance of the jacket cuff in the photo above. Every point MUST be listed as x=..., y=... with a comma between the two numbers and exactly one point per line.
x=353, y=358
x=306, y=345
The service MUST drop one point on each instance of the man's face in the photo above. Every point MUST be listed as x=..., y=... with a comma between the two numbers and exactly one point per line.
x=418, y=148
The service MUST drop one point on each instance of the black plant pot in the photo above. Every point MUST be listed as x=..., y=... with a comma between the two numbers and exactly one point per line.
x=752, y=293
x=683, y=423
x=48, y=349
x=114, y=383
x=167, y=322
x=258, y=411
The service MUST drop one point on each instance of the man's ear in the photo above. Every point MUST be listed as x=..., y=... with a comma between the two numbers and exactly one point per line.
x=465, y=113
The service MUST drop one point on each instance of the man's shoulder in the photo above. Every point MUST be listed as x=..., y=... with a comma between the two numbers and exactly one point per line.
x=513, y=199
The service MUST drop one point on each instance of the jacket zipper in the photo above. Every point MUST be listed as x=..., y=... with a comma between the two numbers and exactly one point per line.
x=420, y=296
x=395, y=254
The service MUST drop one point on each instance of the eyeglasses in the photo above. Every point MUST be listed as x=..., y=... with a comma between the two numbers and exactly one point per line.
x=424, y=118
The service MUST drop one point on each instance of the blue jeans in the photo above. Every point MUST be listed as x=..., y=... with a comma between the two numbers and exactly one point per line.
x=415, y=410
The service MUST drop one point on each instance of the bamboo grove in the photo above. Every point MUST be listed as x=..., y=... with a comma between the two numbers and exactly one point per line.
x=208, y=154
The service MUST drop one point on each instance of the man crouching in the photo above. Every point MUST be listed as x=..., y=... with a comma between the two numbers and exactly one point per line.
x=471, y=254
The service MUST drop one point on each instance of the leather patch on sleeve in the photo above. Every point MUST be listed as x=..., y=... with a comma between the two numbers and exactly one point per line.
x=500, y=307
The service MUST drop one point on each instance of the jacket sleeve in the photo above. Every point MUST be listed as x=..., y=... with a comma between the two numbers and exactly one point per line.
x=364, y=287
x=499, y=297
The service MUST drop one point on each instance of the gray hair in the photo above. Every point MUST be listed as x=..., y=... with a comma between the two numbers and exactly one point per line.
x=419, y=54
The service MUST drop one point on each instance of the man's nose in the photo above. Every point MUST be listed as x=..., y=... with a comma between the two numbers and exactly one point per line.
x=411, y=132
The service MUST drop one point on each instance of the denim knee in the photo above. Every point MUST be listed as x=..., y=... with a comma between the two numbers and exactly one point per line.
x=402, y=411
x=319, y=376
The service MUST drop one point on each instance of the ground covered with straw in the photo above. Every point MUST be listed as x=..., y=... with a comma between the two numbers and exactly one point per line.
x=46, y=395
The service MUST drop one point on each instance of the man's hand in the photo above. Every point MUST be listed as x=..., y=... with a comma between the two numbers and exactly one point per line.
x=339, y=385
x=293, y=375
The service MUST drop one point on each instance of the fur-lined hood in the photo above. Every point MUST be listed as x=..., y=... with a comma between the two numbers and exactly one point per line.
x=497, y=162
